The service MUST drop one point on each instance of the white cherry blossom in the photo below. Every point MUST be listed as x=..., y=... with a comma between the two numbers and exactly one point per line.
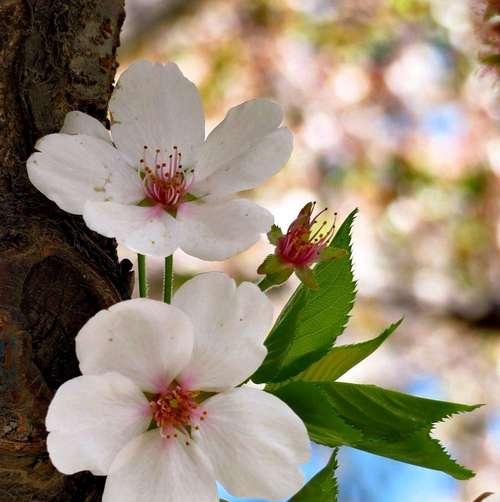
x=153, y=182
x=159, y=409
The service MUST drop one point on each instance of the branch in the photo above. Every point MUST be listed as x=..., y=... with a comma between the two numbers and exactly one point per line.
x=56, y=56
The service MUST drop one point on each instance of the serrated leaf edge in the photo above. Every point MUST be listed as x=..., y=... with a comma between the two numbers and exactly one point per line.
x=302, y=290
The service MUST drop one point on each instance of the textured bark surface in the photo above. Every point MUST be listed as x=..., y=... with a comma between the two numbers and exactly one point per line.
x=55, y=56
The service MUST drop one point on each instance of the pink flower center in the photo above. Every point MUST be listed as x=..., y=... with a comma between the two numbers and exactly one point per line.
x=177, y=410
x=166, y=182
x=300, y=246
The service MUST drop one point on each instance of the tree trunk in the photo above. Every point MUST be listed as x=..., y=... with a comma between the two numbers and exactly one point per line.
x=55, y=56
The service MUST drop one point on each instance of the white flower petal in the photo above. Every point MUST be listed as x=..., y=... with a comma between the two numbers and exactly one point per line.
x=91, y=418
x=215, y=229
x=255, y=443
x=86, y=451
x=144, y=230
x=243, y=127
x=148, y=341
x=153, y=469
x=155, y=105
x=71, y=169
x=230, y=325
x=244, y=150
x=80, y=123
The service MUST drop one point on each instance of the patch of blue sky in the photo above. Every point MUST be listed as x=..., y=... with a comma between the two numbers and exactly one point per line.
x=444, y=120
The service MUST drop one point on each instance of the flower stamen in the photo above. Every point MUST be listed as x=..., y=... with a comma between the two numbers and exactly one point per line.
x=176, y=410
x=166, y=182
x=300, y=246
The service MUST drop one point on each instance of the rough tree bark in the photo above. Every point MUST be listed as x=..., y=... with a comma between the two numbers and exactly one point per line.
x=55, y=56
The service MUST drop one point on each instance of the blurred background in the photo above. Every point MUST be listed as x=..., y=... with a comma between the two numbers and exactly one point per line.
x=390, y=114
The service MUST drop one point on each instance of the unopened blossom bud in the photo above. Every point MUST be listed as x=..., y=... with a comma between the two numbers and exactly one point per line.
x=306, y=242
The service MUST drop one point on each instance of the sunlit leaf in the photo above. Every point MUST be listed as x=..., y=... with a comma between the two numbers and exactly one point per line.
x=307, y=278
x=341, y=359
x=312, y=319
x=322, y=487
x=380, y=421
x=274, y=234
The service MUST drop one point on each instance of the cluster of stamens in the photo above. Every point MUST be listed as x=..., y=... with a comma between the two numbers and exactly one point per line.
x=300, y=246
x=176, y=410
x=165, y=181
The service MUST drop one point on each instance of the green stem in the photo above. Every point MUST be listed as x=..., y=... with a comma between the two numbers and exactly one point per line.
x=168, y=279
x=143, y=280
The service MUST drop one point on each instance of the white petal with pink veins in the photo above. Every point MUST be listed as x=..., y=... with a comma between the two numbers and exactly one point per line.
x=245, y=149
x=91, y=418
x=256, y=444
x=80, y=123
x=148, y=341
x=215, y=229
x=72, y=169
x=153, y=469
x=155, y=105
x=146, y=230
x=230, y=325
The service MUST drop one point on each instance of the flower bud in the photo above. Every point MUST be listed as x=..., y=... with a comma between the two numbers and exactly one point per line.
x=307, y=241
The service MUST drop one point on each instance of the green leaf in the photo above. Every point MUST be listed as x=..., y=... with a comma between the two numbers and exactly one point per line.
x=341, y=359
x=324, y=424
x=275, y=279
x=380, y=421
x=306, y=276
x=330, y=253
x=274, y=234
x=419, y=449
x=385, y=413
x=322, y=487
x=271, y=265
x=312, y=319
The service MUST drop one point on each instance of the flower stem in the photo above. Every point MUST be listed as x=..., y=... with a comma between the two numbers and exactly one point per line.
x=168, y=279
x=143, y=280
